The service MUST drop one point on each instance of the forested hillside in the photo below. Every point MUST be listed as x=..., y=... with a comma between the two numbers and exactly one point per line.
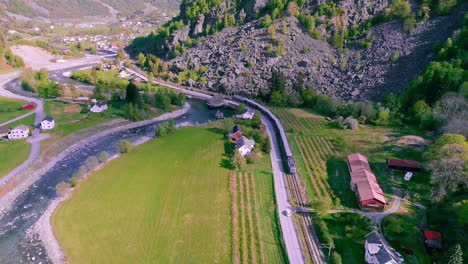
x=82, y=8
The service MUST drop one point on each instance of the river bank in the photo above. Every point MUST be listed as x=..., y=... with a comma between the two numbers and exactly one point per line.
x=33, y=175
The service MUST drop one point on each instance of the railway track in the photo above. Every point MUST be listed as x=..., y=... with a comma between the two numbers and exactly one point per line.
x=310, y=241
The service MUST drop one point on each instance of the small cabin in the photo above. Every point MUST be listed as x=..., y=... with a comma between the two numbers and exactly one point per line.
x=403, y=165
x=235, y=133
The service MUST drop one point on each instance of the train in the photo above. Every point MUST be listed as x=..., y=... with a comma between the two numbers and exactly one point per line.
x=279, y=131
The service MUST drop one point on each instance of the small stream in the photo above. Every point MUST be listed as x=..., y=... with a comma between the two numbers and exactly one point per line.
x=15, y=246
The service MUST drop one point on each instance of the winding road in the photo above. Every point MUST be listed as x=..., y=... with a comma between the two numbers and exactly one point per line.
x=39, y=111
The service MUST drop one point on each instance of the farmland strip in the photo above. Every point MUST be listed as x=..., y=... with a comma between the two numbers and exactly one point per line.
x=319, y=170
x=257, y=219
x=245, y=250
x=316, y=188
x=235, y=220
x=253, y=247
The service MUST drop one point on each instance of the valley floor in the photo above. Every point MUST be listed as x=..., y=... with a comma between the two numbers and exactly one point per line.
x=172, y=200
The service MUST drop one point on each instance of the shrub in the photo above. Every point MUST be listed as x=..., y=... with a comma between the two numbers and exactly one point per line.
x=266, y=22
x=336, y=258
x=73, y=181
x=104, y=156
x=165, y=128
x=91, y=162
x=62, y=188
x=125, y=146
x=238, y=161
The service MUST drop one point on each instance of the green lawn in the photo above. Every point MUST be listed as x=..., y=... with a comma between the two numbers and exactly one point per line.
x=168, y=201
x=347, y=233
x=68, y=118
x=12, y=154
x=11, y=108
x=401, y=230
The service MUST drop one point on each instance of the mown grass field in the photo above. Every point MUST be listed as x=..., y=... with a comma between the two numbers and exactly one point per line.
x=12, y=154
x=174, y=200
x=68, y=118
x=11, y=108
x=168, y=201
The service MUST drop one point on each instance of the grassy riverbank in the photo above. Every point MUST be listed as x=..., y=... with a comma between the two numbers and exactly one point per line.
x=11, y=108
x=166, y=202
x=12, y=154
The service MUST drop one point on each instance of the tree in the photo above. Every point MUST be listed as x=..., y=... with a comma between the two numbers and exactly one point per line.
x=256, y=119
x=455, y=255
x=91, y=162
x=419, y=109
x=163, y=101
x=241, y=108
x=383, y=117
x=292, y=9
x=141, y=60
x=103, y=156
x=165, y=128
x=62, y=188
x=351, y=123
x=125, y=146
x=238, y=161
x=82, y=171
x=132, y=94
x=266, y=22
x=449, y=170
x=277, y=99
x=94, y=76
x=182, y=99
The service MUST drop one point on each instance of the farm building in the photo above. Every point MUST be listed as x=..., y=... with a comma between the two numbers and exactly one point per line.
x=403, y=165
x=377, y=252
x=364, y=183
x=29, y=106
x=98, y=107
x=47, y=123
x=4, y=130
x=235, y=133
x=432, y=239
x=245, y=145
x=19, y=132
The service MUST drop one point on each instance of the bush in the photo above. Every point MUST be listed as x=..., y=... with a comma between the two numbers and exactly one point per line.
x=165, y=128
x=238, y=161
x=125, y=146
x=104, y=156
x=266, y=22
x=62, y=188
x=91, y=163
x=73, y=181
x=336, y=258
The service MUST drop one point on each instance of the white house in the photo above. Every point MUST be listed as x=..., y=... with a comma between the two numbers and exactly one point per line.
x=4, y=130
x=47, y=123
x=377, y=252
x=19, y=132
x=11, y=31
x=245, y=145
x=98, y=107
x=123, y=74
x=247, y=115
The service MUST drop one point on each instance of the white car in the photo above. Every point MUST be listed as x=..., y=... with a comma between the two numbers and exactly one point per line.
x=287, y=213
x=400, y=257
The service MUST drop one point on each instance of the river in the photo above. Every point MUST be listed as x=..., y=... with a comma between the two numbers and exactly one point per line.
x=15, y=246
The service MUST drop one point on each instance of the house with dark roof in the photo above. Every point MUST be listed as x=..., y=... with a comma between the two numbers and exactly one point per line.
x=403, y=165
x=377, y=251
x=364, y=183
x=432, y=239
x=47, y=123
x=235, y=133
x=4, y=130
x=245, y=145
x=98, y=107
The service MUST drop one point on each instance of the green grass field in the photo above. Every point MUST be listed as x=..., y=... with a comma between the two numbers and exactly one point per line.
x=12, y=154
x=347, y=233
x=167, y=201
x=68, y=118
x=401, y=230
x=11, y=108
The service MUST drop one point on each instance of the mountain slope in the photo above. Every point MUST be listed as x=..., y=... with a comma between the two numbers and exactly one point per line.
x=80, y=8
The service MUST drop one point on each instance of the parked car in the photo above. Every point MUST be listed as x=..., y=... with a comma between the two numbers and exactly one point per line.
x=287, y=213
x=400, y=257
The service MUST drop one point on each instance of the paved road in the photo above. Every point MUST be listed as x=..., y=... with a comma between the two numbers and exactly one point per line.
x=39, y=111
x=17, y=118
x=290, y=237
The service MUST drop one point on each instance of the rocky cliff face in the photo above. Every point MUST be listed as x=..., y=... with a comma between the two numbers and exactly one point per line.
x=237, y=60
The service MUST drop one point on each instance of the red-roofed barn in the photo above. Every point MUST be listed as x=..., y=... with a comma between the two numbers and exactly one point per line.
x=403, y=165
x=364, y=183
